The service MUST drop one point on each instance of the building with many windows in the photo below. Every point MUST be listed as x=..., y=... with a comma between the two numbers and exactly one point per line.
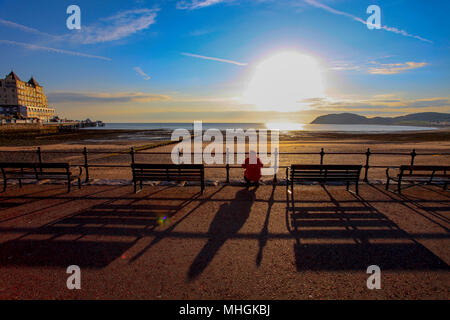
x=26, y=100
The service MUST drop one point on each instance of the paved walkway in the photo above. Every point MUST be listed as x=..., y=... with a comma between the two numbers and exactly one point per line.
x=230, y=243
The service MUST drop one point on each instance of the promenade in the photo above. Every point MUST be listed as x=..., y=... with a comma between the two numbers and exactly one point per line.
x=229, y=243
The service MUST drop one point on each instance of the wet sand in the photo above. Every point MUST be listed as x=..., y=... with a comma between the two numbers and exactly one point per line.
x=119, y=142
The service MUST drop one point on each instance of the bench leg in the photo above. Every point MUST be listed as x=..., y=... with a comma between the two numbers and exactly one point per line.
x=357, y=187
x=292, y=195
x=287, y=179
x=387, y=183
x=399, y=186
x=348, y=185
x=4, y=185
x=20, y=183
x=135, y=186
x=68, y=186
x=79, y=183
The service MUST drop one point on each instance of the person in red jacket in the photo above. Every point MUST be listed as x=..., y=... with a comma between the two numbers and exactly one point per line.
x=252, y=167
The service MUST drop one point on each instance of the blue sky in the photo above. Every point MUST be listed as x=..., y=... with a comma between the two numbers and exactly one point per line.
x=179, y=61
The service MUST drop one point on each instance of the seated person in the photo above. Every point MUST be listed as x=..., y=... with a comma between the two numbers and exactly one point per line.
x=252, y=167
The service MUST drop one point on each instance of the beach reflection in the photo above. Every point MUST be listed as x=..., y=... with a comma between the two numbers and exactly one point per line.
x=285, y=126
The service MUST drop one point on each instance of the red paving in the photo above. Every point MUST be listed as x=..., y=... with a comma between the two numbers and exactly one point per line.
x=230, y=243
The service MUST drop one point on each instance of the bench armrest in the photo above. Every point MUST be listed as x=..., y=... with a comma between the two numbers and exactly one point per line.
x=387, y=171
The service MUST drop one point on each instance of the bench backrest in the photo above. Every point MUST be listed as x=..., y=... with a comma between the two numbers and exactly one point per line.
x=40, y=168
x=168, y=172
x=429, y=169
x=325, y=172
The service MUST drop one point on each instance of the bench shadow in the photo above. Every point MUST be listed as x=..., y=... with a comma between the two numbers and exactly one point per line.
x=340, y=237
x=264, y=234
x=227, y=221
x=91, y=239
x=413, y=204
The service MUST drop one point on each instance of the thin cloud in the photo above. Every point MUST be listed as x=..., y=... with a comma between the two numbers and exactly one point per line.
x=344, y=66
x=31, y=46
x=201, y=32
x=394, y=68
x=89, y=97
x=214, y=59
x=142, y=73
x=23, y=28
x=382, y=102
x=116, y=27
x=386, y=28
x=196, y=4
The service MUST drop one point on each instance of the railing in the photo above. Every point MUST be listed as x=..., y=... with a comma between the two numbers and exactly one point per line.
x=132, y=153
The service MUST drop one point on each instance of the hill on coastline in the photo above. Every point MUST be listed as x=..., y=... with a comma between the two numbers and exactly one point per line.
x=423, y=118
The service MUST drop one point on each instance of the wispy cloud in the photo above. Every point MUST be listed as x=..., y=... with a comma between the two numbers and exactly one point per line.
x=200, y=32
x=14, y=25
x=214, y=59
x=342, y=13
x=197, y=4
x=142, y=73
x=387, y=102
x=112, y=28
x=344, y=66
x=116, y=27
x=31, y=46
x=394, y=68
x=89, y=97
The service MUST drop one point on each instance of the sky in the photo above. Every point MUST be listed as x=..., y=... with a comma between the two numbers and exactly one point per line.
x=230, y=60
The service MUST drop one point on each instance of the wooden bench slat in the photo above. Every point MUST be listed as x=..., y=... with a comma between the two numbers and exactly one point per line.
x=419, y=175
x=32, y=170
x=167, y=172
x=324, y=174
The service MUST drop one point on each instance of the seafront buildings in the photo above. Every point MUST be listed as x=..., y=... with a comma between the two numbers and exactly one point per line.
x=23, y=100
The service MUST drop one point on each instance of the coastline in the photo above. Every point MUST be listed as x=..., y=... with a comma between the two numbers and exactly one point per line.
x=117, y=135
x=112, y=148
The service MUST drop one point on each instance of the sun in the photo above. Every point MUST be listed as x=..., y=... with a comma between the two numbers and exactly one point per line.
x=284, y=82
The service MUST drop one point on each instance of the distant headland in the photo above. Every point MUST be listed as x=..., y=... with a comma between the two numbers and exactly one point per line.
x=414, y=119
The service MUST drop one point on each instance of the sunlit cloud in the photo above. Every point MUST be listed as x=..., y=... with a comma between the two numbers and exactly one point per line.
x=214, y=59
x=35, y=47
x=342, y=13
x=142, y=73
x=386, y=102
x=89, y=97
x=394, y=68
x=116, y=27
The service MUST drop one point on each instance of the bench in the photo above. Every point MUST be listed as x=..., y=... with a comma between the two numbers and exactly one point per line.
x=323, y=174
x=167, y=172
x=419, y=175
x=30, y=170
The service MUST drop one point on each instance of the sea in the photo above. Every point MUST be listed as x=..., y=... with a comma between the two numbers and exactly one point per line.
x=353, y=128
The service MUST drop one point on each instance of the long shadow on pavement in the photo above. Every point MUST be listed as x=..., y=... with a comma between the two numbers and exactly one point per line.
x=352, y=236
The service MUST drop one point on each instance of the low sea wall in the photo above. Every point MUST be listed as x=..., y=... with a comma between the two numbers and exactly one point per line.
x=34, y=128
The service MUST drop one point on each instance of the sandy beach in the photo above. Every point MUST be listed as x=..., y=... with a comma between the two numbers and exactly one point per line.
x=119, y=142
